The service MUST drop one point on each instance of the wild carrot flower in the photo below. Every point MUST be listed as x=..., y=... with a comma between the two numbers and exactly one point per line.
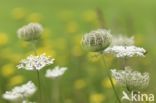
x=35, y=62
x=30, y=32
x=126, y=51
x=132, y=80
x=20, y=92
x=121, y=40
x=56, y=72
x=96, y=40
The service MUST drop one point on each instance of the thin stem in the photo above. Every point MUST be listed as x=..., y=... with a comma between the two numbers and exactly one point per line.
x=38, y=74
x=110, y=79
x=39, y=86
x=34, y=47
x=124, y=62
x=24, y=99
x=55, y=92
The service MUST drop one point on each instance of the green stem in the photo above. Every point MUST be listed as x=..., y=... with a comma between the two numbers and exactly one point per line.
x=38, y=74
x=39, y=86
x=111, y=81
x=55, y=92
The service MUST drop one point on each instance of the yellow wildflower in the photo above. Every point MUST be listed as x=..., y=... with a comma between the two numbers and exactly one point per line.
x=34, y=17
x=7, y=70
x=18, y=13
x=18, y=79
x=89, y=15
x=80, y=84
x=97, y=98
x=72, y=27
x=3, y=38
x=107, y=84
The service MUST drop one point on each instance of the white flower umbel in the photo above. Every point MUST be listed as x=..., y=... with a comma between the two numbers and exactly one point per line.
x=126, y=51
x=56, y=72
x=132, y=80
x=20, y=92
x=35, y=62
x=122, y=40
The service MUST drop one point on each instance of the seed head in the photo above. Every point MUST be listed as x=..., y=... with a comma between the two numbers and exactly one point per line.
x=30, y=32
x=96, y=41
x=132, y=80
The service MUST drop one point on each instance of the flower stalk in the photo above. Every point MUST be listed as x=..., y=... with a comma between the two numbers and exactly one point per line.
x=37, y=71
x=110, y=79
x=55, y=92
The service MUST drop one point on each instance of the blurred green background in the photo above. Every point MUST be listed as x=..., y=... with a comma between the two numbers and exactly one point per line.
x=64, y=22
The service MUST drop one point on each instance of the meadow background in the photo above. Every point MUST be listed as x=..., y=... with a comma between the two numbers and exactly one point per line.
x=65, y=21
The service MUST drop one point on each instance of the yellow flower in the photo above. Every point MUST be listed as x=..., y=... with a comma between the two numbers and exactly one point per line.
x=7, y=70
x=3, y=39
x=89, y=16
x=97, y=98
x=13, y=57
x=72, y=27
x=93, y=56
x=34, y=17
x=18, y=13
x=18, y=79
x=48, y=50
x=107, y=84
x=80, y=84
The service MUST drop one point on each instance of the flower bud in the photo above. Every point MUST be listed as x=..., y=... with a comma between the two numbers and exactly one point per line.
x=96, y=40
x=30, y=32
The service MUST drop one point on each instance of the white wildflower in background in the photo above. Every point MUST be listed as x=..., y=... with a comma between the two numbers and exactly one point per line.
x=122, y=40
x=30, y=32
x=126, y=51
x=56, y=72
x=132, y=80
x=20, y=92
x=35, y=62
x=96, y=40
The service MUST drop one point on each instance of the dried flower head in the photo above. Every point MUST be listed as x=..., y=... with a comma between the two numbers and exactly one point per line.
x=56, y=72
x=96, y=40
x=30, y=32
x=35, y=62
x=132, y=80
x=121, y=40
x=126, y=51
x=20, y=92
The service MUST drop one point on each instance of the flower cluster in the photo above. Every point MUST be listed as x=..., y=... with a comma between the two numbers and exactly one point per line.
x=121, y=40
x=126, y=51
x=56, y=72
x=96, y=40
x=132, y=80
x=35, y=62
x=20, y=92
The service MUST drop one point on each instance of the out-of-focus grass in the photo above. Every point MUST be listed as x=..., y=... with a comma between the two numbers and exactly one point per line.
x=65, y=21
